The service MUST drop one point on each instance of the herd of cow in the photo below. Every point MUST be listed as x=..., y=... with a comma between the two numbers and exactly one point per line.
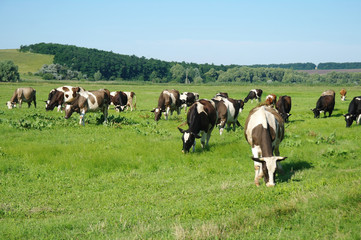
x=264, y=126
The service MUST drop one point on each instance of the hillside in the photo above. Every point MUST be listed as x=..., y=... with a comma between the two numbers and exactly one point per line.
x=26, y=61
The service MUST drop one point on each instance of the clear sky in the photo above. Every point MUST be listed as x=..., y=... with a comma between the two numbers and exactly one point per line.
x=219, y=32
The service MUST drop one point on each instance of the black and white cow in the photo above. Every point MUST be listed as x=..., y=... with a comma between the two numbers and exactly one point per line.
x=324, y=104
x=254, y=94
x=56, y=97
x=283, y=107
x=27, y=94
x=187, y=99
x=168, y=101
x=228, y=110
x=119, y=99
x=89, y=101
x=264, y=131
x=201, y=119
x=354, y=112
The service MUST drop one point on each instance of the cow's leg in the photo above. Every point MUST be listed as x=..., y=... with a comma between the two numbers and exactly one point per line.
x=204, y=135
x=105, y=113
x=258, y=173
x=20, y=102
x=194, y=146
x=358, y=119
x=166, y=113
x=221, y=125
x=29, y=104
x=59, y=107
x=208, y=137
x=81, y=118
x=34, y=101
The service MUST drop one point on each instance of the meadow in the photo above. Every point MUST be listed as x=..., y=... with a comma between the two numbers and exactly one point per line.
x=129, y=179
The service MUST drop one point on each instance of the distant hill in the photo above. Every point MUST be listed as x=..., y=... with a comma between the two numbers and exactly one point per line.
x=26, y=61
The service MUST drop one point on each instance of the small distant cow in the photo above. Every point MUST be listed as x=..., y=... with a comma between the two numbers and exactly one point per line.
x=56, y=97
x=132, y=101
x=354, y=112
x=343, y=94
x=201, y=119
x=168, y=101
x=228, y=110
x=254, y=94
x=283, y=107
x=27, y=94
x=89, y=101
x=324, y=104
x=264, y=131
x=271, y=99
x=119, y=99
x=187, y=99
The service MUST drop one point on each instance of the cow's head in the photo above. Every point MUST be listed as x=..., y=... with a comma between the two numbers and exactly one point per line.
x=349, y=118
x=188, y=139
x=10, y=105
x=316, y=112
x=157, y=113
x=285, y=116
x=69, y=109
x=269, y=166
x=119, y=108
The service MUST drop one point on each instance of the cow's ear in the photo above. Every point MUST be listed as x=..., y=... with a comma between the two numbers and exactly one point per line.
x=153, y=110
x=280, y=158
x=289, y=114
x=260, y=160
x=181, y=130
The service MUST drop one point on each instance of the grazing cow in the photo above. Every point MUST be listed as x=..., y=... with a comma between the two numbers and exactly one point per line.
x=168, y=101
x=201, y=119
x=343, y=94
x=324, y=104
x=271, y=99
x=328, y=93
x=228, y=110
x=264, y=131
x=56, y=97
x=187, y=99
x=283, y=107
x=354, y=112
x=119, y=99
x=27, y=94
x=222, y=94
x=89, y=101
x=254, y=94
x=132, y=100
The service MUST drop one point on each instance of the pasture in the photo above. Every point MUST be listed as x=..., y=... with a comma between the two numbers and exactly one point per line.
x=129, y=179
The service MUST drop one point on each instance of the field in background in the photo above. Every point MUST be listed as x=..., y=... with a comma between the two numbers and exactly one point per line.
x=27, y=62
x=129, y=179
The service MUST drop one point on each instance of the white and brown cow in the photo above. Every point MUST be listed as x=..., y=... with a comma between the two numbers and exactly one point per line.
x=168, y=101
x=271, y=100
x=228, y=110
x=56, y=97
x=119, y=99
x=343, y=94
x=132, y=100
x=187, y=99
x=89, y=101
x=201, y=119
x=354, y=112
x=283, y=107
x=264, y=131
x=27, y=94
x=254, y=94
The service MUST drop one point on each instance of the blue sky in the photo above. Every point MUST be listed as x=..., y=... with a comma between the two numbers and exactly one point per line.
x=219, y=32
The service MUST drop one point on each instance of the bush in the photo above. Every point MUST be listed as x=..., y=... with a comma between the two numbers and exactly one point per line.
x=8, y=72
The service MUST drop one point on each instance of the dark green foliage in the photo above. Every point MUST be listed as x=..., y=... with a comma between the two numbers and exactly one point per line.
x=8, y=72
x=333, y=65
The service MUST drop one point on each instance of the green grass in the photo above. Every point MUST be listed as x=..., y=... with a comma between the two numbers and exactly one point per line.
x=59, y=180
x=27, y=62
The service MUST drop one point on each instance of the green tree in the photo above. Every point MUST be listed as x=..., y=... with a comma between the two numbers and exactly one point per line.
x=178, y=73
x=97, y=76
x=9, y=72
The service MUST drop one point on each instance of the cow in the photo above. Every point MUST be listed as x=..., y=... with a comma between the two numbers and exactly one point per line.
x=354, y=112
x=328, y=93
x=132, y=100
x=70, y=93
x=27, y=94
x=271, y=99
x=168, y=101
x=201, y=119
x=343, y=94
x=119, y=99
x=187, y=99
x=254, y=94
x=264, y=131
x=283, y=107
x=222, y=94
x=89, y=101
x=324, y=104
x=228, y=110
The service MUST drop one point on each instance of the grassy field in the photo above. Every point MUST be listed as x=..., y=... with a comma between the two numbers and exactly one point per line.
x=27, y=62
x=129, y=179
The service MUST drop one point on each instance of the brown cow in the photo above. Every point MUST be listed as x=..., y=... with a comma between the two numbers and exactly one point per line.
x=343, y=94
x=168, y=101
x=27, y=94
x=271, y=99
x=283, y=107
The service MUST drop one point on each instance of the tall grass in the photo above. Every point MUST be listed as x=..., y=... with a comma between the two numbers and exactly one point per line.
x=129, y=179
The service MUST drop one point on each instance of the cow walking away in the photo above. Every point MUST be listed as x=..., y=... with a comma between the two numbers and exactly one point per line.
x=27, y=94
x=324, y=104
x=168, y=101
x=228, y=110
x=201, y=119
x=264, y=131
x=283, y=107
x=187, y=99
x=254, y=94
x=343, y=94
x=89, y=101
x=354, y=112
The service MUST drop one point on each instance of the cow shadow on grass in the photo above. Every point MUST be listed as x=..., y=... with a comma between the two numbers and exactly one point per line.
x=289, y=169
